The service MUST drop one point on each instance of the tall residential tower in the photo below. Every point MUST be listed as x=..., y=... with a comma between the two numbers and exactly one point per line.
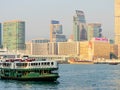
x=14, y=35
x=79, y=26
x=56, y=33
x=117, y=21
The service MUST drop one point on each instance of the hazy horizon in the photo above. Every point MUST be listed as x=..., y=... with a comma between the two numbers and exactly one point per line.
x=38, y=13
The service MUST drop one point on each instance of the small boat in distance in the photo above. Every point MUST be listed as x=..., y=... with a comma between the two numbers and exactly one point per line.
x=113, y=63
x=74, y=61
x=29, y=69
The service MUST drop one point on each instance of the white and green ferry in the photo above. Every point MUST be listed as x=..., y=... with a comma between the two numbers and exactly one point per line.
x=29, y=69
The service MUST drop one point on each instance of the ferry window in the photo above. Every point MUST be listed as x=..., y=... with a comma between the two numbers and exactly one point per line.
x=42, y=63
x=51, y=63
x=36, y=64
x=39, y=63
x=48, y=63
x=7, y=64
x=17, y=64
x=24, y=64
x=45, y=63
x=3, y=64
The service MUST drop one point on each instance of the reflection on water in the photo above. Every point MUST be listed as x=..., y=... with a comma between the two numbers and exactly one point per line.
x=27, y=85
x=73, y=77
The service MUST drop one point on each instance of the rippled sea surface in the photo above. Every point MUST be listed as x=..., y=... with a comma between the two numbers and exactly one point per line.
x=73, y=77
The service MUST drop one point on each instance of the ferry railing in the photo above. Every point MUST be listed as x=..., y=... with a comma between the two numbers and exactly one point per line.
x=31, y=67
x=36, y=66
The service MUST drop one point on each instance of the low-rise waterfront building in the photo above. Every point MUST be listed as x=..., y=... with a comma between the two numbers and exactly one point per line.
x=100, y=48
x=37, y=48
x=84, y=50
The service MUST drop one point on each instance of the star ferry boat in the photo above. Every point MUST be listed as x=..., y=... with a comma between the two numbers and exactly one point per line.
x=29, y=69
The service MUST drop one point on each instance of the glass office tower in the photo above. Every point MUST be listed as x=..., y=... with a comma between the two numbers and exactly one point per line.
x=14, y=35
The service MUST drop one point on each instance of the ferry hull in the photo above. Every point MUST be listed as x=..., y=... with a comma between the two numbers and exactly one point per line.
x=49, y=78
x=29, y=74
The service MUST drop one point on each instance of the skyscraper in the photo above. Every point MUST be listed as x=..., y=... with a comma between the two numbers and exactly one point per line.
x=117, y=21
x=94, y=30
x=56, y=33
x=0, y=35
x=14, y=35
x=79, y=26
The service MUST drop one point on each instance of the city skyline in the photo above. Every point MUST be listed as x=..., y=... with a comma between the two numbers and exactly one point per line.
x=38, y=14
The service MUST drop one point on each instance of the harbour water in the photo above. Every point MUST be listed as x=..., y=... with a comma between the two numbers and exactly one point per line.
x=73, y=77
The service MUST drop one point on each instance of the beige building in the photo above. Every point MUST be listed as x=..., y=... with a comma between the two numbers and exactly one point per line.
x=37, y=48
x=100, y=48
x=84, y=50
x=117, y=21
x=52, y=48
x=68, y=48
x=94, y=49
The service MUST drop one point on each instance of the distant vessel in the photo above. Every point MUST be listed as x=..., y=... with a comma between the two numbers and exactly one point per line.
x=113, y=63
x=29, y=69
x=73, y=61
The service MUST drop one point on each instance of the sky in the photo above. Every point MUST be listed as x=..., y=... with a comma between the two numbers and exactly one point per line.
x=38, y=13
